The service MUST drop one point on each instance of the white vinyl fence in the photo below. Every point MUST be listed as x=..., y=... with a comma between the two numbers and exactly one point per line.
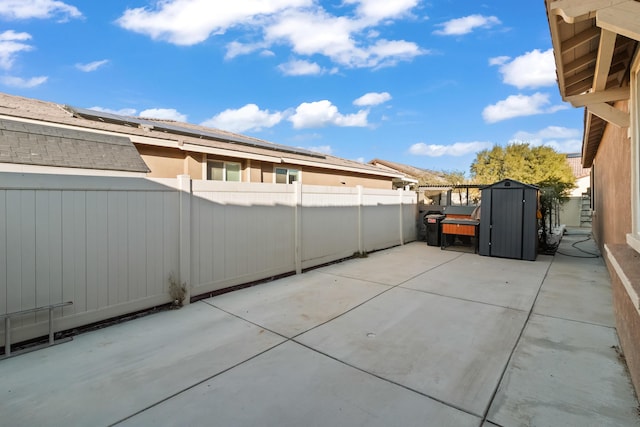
x=110, y=244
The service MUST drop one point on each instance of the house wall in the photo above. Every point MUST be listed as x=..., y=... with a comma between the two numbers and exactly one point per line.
x=169, y=163
x=163, y=162
x=612, y=186
x=110, y=244
x=611, y=222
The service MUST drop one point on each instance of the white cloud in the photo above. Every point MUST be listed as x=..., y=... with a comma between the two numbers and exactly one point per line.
x=22, y=82
x=300, y=68
x=465, y=25
x=236, y=49
x=121, y=112
x=519, y=106
x=499, y=60
x=457, y=149
x=532, y=70
x=372, y=98
x=322, y=149
x=320, y=33
x=377, y=10
x=188, y=22
x=303, y=25
x=41, y=9
x=249, y=117
x=324, y=113
x=561, y=139
x=163, y=114
x=91, y=66
x=12, y=43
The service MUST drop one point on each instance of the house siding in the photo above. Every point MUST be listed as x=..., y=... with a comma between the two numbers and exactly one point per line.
x=611, y=223
x=612, y=216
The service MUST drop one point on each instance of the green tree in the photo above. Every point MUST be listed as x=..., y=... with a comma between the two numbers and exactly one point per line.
x=524, y=163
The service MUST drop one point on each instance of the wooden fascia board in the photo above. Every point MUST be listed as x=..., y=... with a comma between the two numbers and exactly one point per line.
x=585, y=138
x=557, y=51
x=605, y=57
x=610, y=114
x=573, y=11
x=623, y=18
x=610, y=95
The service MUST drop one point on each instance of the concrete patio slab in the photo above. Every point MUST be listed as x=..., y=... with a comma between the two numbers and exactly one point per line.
x=505, y=282
x=296, y=304
x=393, y=266
x=449, y=349
x=293, y=386
x=577, y=286
x=105, y=375
x=565, y=373
x=373, y=353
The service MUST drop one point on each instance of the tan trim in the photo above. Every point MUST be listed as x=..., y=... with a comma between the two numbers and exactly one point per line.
x=341, y=168
x=623, y=18
x=605, y=58
x=22, y=168
x=610, y=114
x=633, y=295
x=610, y=95
x=229, y=153
x=573, y=11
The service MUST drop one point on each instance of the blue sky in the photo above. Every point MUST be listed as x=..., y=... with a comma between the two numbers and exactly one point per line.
x=426, y=83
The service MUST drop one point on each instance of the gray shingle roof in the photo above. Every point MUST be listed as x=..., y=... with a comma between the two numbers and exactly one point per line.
x=41, y=145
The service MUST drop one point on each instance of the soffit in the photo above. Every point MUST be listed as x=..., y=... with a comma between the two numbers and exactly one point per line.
x=594, y=42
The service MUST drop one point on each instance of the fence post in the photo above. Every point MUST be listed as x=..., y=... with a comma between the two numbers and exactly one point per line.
x=297, y=232
x=184, y=184
x=401, y=196
x=360, y=220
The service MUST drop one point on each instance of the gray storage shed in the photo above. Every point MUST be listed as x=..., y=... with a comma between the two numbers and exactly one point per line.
x=508, y=221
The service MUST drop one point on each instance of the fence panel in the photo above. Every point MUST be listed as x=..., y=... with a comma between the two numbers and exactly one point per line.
x=241, y=232
x=109, y=244
x=330, y=224
x=380, y=219
x=91, y=240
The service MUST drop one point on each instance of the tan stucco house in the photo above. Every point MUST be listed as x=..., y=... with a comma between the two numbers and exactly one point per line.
x=595, y=46
x=166, y=149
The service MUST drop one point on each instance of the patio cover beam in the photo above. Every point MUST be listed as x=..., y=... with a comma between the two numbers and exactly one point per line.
x=610, y=114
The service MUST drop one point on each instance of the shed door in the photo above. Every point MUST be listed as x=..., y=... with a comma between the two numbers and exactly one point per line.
x=506, y=223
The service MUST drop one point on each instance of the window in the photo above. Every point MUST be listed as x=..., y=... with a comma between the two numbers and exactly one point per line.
x=223, y=171
x=286, y=176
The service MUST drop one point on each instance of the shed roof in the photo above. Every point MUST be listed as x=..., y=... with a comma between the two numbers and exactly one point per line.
x=42, y=145
x=511, y=183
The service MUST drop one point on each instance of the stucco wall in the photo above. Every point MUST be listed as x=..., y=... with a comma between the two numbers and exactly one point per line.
x=163, y=162
x=316, y=176
x=612, y=185
x=623, y=257
x=611, y=223
x=169, y=163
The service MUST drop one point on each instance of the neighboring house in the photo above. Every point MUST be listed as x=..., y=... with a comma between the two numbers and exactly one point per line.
x=576, y=211
x=30, y=147
x=595, y=45
x=170, y=148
